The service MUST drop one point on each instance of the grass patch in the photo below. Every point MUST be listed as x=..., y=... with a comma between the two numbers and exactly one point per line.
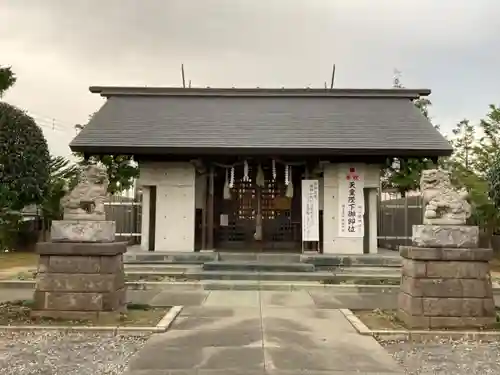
x=387, y=320
x=379, y=319
x=138, y=277
x=137, y=315
x=30, y=275
x=495, y=263
x=14, y=259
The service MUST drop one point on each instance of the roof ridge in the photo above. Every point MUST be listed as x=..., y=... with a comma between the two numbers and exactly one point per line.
x=108, y=91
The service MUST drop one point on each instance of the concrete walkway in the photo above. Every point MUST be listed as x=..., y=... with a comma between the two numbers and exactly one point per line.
x=256, y=333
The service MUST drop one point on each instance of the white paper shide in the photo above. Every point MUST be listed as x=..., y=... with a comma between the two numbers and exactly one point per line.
x=310, y=210
x=351, y=201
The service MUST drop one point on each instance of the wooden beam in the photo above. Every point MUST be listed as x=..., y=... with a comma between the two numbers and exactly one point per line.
x=211, y=208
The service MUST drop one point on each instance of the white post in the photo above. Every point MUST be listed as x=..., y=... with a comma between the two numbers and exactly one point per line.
x=145, y=218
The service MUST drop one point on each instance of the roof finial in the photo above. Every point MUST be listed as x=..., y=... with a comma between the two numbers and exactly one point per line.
x=333, y=77
x=183, y=78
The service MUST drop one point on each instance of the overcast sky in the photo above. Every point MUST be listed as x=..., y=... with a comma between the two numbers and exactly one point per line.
x=59, y=47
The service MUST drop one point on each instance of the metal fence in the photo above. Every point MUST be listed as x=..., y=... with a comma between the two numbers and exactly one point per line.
x=396, y=216
x=126, y=212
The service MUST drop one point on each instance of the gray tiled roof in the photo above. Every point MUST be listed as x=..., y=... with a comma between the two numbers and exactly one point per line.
x=370, y=121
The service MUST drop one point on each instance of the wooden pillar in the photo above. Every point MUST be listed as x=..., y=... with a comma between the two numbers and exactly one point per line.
x=152, y=218
x=306, y=246
x=210, y=208
x=204, y=214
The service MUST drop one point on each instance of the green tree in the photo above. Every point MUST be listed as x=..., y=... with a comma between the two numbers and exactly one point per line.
x=403, y=174
x=462, y=161
x=24, y=167
x=7, y=79
x=122, y=171
x=486, y=152
x=489, y=143
x=493, y=178
x=63, y=176
x=472, y=166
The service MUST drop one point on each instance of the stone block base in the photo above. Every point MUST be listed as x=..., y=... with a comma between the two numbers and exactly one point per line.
x=80, y=281
x=444, y=322
x=451, y=236
x=446, y=288
x=82, y=231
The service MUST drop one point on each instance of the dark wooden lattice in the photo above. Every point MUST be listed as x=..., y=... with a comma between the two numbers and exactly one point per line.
x=279, y=230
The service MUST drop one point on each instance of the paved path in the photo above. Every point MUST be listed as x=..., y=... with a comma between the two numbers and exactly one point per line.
x=256, y=333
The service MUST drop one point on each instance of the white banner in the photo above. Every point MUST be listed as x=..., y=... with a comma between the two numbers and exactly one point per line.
x=310, y=210
x=351, y=201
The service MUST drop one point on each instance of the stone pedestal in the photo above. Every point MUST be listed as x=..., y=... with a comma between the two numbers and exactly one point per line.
x=80, y=281
x=446, y=286
x=459, y=236
x=83, y=231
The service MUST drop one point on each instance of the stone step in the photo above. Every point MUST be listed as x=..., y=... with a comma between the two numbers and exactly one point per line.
x=158, y=257
x=318, y=276
x=367, y=270
x=259, y=266
x=273, y=285
x=326, y=277
x=260, y=257
x=365, y=260
x=160, y=267
x=318, y=260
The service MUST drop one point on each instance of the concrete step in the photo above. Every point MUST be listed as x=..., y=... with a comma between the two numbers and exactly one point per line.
x=257, y=266
x=272, y=285
x=368, y=270
x=326, y=277
x=365, y=260
x=318, y=276
x=318, y=260
x=160, y=267
x=158, y=257
x=260, y=257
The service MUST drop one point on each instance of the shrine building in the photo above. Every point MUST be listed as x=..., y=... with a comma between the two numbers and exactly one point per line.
x=260, y=169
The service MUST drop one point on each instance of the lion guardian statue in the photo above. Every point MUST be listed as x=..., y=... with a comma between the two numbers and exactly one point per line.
x=442, y=203
x=86, y=200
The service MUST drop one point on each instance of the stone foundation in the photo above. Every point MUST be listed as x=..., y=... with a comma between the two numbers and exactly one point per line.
x=80, y=281
x=446, y=288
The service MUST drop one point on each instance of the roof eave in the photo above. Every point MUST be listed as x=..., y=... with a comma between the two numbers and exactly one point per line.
x=138, y=150
x=107, y=91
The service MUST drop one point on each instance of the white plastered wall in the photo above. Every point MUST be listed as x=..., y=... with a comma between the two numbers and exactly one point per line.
x=332, y=243
x=175, y=205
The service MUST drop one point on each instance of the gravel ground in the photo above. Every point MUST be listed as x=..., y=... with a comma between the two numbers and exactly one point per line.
x=52, y=353
x=447, y=357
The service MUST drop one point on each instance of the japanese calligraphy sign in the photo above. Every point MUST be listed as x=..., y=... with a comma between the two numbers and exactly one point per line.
x=310, y=210
x=351, y=201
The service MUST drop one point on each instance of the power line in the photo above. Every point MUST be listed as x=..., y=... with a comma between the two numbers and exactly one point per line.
x=53, y=124
x=52, y=127
x=47, y=118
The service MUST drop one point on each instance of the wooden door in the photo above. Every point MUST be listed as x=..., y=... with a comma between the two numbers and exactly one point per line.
x=238, y=217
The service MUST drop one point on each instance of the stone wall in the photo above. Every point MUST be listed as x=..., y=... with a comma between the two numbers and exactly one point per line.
x=80, y=281
x=446, y=288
